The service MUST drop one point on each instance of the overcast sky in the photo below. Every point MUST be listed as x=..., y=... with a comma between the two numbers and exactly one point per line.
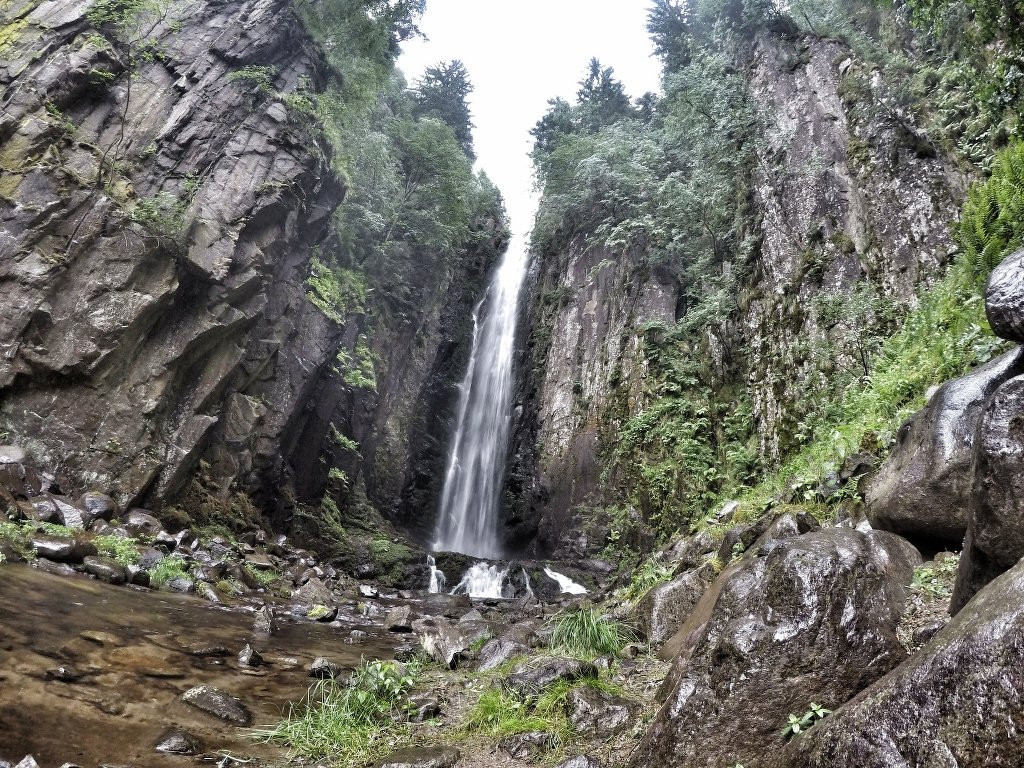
x=519, y=54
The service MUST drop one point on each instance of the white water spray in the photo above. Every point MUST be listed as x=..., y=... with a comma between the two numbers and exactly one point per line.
x=567, y=585
x=482, y=580
x=470, y=501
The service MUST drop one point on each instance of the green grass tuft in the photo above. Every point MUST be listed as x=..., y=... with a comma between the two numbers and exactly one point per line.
x=124, y=551
x=349, y=724
x=168, y=569
x=585, y=633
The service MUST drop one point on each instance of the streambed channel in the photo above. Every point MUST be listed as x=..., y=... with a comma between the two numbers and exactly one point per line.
x=94, y=674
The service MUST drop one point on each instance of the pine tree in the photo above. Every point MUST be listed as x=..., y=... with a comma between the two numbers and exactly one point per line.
x=443, y=93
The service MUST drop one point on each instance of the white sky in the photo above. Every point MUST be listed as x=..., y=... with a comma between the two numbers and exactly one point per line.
x=519, y=54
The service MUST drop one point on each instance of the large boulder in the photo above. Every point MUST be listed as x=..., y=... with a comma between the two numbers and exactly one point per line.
x=805, y=619
x=445, y=642
x=995, y=537
x=663, y=609
x=923, y=488
x=1004, y=298
x=957, y=702
x=532, y=677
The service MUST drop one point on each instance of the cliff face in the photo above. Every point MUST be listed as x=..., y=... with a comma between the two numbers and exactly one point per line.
x=846, y=197
x=158, y=212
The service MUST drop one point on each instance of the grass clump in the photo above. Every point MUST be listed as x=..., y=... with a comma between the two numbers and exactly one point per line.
x=349, y=724
x=585, y=633
x=265, y=578
x=500, y=712
x=649, y=574
x=124, y=551
x=167, y=570
x=934, y=581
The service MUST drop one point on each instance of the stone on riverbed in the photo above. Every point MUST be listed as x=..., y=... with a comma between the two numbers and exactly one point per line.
x=398, y=619
x=323, y=668
x=178, y=742
x=105, y=569
x=61, y=550
x=249, y=657
x=216, y=702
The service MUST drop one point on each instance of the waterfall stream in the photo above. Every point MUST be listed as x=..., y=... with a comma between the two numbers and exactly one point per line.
x=470, y=500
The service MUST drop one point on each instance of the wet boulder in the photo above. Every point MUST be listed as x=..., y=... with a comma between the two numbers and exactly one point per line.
x=1004, y=298
x=580, y=761
x=809, y=618
x=995, y=536
x=497, y=651
x=398, y=619
x=97, y=506
x=446, y=642
x=422, y=757
x=323, y=668
x=596, y=712
x=178, y=742
x=59, y=549
x=531, y=677
x=216, y=702
x=923, y=488
x=661, y=612
x=139, y=521
x=956, y=702
x=105, y=569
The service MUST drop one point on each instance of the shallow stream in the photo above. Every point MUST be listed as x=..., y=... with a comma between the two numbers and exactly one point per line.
x=136, y=652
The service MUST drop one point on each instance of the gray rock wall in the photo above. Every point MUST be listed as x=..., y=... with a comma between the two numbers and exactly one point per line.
x=156, y=220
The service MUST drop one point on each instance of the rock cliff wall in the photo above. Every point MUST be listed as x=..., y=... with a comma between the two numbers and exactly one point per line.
x=158, y=213
x=846, y=198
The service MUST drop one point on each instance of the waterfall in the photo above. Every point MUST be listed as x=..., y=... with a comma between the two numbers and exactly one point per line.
x=567, y=585
x=471, y=498
x=482, y=580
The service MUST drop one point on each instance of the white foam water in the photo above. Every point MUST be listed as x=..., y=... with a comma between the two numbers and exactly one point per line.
x=482, y=580
x=437, y=578
x=567, y=585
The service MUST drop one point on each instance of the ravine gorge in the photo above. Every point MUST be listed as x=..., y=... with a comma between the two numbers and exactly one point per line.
x=311, y=455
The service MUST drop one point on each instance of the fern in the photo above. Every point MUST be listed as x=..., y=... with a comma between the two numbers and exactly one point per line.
x=993, y=218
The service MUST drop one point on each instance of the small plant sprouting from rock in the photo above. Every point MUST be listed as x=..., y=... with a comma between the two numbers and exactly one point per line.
x=797, y=724
x=260, y=79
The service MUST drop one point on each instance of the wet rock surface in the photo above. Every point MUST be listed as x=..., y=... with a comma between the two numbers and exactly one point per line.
x=924, y=488
x=995, y=536
x=813, y=618
x=662, y=611
x=593, y=711
x=178, y=742
x=218, y=703
x=532, y=677
x=956, y=701
x=422, y=757
x=1004, y=298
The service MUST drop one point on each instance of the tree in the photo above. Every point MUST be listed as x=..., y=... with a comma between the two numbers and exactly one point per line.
x=601, y=99
x=668, y=24
x=442, y=93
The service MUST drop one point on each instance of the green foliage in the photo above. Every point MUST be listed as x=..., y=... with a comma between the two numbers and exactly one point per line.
x=935, y=580
x=349, y=724
x=167, y=570
x=649, y=574
x=265, y=577
x=259, y=78
x=992, y=224
x=342, y=441
x=17, y=536
x=55, y=529
x=442, y=93
x=797, y=725
x=124, y=551
x=358, y=369
x=334, y=291
x=162, y=214
x=586, y=633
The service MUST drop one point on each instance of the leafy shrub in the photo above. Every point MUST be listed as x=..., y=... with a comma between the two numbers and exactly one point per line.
x=167, y=570
x=992, y=224
x=586, y=633
x=646, y=577
x=349, y=723
x=124, y=551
